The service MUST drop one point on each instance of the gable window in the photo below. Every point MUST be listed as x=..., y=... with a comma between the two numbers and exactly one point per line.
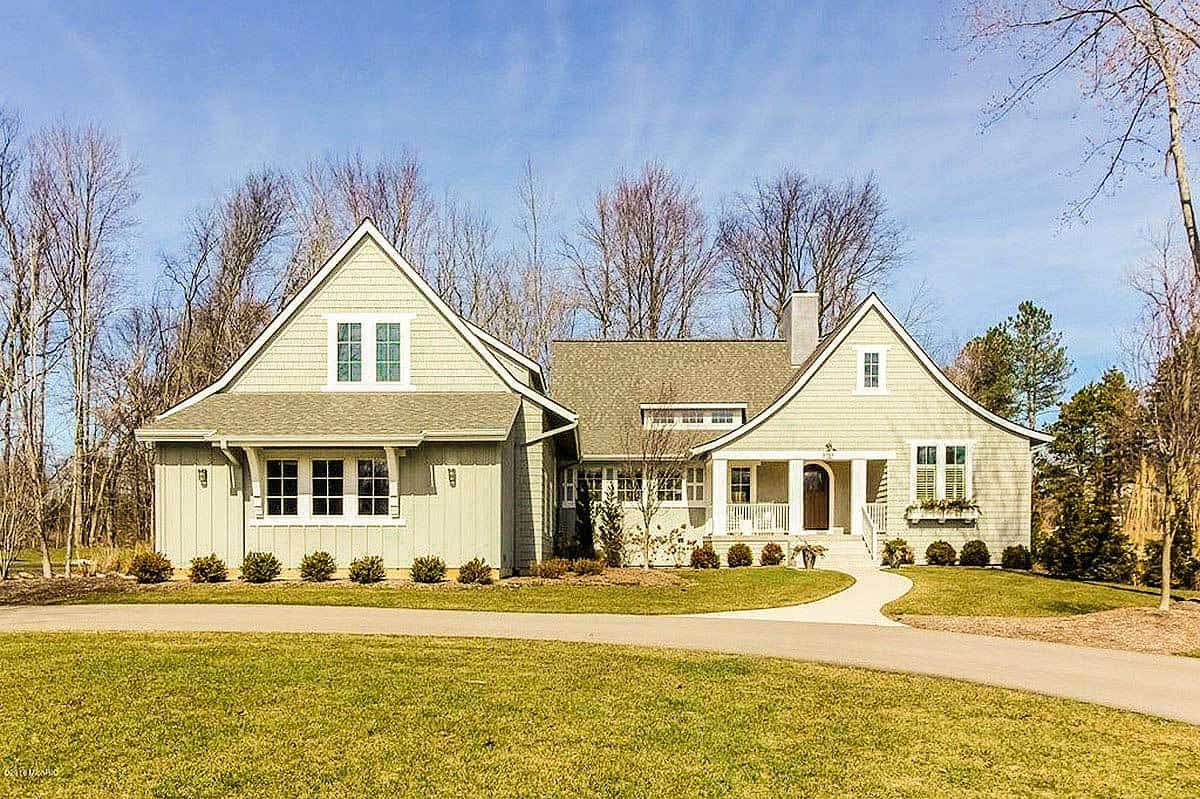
x=282, y=488
x=327, y=487
x=372, y=487
x=670, y=487
x=739, y=484
x=349, y=352
x=872, y=370
x=695, y=484
x=387, y=352
x=629, y=486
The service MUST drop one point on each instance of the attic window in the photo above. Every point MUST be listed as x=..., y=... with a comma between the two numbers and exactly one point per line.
x=355, y=338
x=872, y=369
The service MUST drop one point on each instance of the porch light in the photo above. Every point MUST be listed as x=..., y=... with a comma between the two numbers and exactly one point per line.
x=453, y=475
x=203, y=474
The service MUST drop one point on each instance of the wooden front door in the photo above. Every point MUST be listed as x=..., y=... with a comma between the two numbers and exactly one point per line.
x=816, y=498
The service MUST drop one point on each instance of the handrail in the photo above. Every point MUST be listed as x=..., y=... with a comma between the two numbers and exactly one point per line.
x=875, y=517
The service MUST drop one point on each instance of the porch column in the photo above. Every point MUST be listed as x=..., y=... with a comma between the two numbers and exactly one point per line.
x=795, y=497
x=720, y=496
x=858, y=494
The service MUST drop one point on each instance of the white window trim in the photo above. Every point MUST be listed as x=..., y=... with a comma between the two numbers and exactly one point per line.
x=369, y=380
x=304, y=516
x=609, y=482
x=861, y=351
x=706, y=410
x=940, y=470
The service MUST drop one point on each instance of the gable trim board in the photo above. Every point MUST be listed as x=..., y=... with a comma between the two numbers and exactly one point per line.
x=825, y=350
x=516, y=355
x=364, y=230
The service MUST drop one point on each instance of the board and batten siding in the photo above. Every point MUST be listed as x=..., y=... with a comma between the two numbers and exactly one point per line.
x=190, y=519
x=456, y=523
x=915, y=408
x=533, y=533
x=366, y=282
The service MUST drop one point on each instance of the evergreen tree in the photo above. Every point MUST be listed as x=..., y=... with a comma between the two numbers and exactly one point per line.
x=984, y=370
x=1041, y=367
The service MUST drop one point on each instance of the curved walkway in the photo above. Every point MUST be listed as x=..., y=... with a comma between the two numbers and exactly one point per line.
x=1156, y=684
x=861, y=603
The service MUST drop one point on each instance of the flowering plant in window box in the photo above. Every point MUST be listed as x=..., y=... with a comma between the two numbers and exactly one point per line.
x=955, y=509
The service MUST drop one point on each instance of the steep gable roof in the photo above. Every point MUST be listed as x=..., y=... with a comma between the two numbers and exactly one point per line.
x=464, y=329
x=830, y=343
x=607, y=381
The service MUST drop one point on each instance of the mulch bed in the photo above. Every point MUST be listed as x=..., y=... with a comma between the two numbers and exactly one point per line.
x=1134, y=629
x=40, y=591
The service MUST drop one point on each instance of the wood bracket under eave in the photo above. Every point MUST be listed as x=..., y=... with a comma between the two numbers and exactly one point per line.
x=394, y=454
x=254, y=458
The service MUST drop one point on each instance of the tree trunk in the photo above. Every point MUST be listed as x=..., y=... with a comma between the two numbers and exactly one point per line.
x=1164, y=602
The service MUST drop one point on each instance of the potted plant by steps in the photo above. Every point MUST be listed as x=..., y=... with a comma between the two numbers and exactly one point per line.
x=809, y=552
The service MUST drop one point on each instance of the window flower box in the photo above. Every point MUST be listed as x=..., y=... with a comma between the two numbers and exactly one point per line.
x=957, y=511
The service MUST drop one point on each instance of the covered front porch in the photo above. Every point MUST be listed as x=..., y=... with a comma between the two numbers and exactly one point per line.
x=761, y=496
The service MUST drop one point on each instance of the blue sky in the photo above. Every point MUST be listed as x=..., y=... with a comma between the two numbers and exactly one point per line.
x=203, y=93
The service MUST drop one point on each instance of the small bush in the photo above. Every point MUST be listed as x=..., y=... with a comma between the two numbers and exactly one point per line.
x=475, y=570
x=428, y=569
x=549, y=569
x=208, y=569
x=771, y=555
x=150, y=567
x=260, y=567
x=317, y=567
x=897, y=553
x=115, y=560
x=1016, y=557
x=940, y=553
x=739, y=555
x=587, y=566
x=705, y=557
x=367, y=569
x=974, y=553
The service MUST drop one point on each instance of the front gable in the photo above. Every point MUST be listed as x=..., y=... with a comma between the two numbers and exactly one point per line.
x=366, y=285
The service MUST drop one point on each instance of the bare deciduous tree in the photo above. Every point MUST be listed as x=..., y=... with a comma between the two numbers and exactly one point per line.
x=1169, y=360
x=794, y=234
x=643, y=260
x=1134, y=60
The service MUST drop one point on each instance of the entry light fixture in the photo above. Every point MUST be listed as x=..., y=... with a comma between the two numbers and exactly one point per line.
x=452, y=474
x=203, y=474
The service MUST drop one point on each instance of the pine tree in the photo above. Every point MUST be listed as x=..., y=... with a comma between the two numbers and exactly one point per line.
x=984, y=370
x=1041, y=367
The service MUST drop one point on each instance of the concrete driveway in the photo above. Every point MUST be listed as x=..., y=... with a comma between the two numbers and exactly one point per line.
x=1154, y=684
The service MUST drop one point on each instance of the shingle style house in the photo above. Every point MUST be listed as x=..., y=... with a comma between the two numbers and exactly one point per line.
x=368, y=418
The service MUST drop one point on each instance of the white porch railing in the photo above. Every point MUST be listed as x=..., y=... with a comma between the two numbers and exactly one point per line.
x=875, y=525
x=757, y=517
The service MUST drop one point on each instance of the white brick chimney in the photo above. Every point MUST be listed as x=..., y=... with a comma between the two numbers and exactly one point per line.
x=801, y=324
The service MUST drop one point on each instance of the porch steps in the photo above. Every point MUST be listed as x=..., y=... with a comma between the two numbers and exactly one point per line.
x=843, y=552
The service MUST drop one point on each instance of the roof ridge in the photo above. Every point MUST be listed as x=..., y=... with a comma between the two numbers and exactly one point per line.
x=667, y=341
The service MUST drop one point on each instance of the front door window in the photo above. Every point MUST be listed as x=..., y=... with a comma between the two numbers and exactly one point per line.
x=739, y=484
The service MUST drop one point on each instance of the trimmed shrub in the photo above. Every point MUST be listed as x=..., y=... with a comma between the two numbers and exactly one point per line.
x=428, y=569
x=585, y=567
x=260, y=567
x=705, y=557
x=317, y=567
x=475, y=570
x=897, y=553
x=367, y=569
x=739, y=555
x=1016, y=557
x=771, y=555
x=550, y=568
x=940, y=553
x=974, y=553
x=208, y=569
x=150, y=567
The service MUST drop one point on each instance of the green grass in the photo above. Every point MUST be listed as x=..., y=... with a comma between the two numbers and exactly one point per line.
x=959, y=591
x=700, y=592
x=277, y=715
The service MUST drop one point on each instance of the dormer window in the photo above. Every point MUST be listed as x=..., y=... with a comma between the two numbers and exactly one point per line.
x=356, y=339
x=872, y=370
x=698, y=416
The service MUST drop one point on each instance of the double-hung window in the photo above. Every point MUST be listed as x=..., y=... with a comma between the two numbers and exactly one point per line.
x=739, y=484
x=590, y=483
x=872, y=370
x=629, y=486
x=941, y=471
x=372, y=487
x=956, y=472
x=387, y=352
x=282, y=487
x=670, y=487
x=349, y=352
x=695, y=484
x=327, y=482
x=926, y=480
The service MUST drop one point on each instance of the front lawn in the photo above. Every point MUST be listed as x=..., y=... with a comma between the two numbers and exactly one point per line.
x=686, y=591
x=287, y=715
x=960, y=591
